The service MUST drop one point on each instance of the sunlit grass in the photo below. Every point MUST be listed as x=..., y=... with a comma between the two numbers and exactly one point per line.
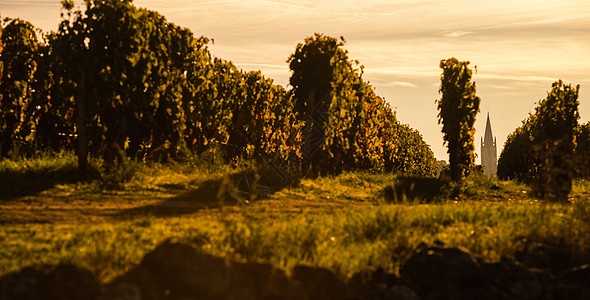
x=35, y=174
x=346, y=241
x=343, y=223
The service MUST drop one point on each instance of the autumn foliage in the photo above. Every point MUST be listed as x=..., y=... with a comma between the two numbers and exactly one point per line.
x=543, y=150
x=117, y=82
x=347, y=126
x=458, y=108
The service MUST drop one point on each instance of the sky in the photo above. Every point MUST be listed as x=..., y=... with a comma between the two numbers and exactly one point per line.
x=520, y=47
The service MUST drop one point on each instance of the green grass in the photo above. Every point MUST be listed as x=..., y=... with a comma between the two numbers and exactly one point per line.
x=344, y=223
x=346, y=241
x=29, y=176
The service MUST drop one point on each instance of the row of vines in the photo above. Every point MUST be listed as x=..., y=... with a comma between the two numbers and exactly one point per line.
x=550, y=148
x=118, y=81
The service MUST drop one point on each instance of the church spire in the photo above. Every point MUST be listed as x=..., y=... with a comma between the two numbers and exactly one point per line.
x=488, y=139
x=489, y=156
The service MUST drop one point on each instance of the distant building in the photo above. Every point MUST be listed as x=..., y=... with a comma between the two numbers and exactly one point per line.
x=489, y=154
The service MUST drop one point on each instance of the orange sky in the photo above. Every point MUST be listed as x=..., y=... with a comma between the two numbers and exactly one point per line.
x=519, y=47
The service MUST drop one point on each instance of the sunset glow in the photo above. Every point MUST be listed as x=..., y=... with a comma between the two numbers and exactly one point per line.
x=519, y=47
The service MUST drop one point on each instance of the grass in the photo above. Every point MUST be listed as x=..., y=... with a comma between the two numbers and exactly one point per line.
x=28, y=176
x=346, y=223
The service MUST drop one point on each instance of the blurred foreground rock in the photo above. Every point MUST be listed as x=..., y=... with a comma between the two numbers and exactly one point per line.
x=179, y=271
x=49, y=282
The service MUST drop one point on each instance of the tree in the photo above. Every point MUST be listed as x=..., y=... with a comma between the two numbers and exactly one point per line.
x=130, y=69
x=414, y=155
x=262, y=120
x=123, y=81
x=53, y=116
x=554, y=139
x=458, y=108
x=543, y=152
x=150, y=89
x=347, y=126
x=19, y=57
x=316, y=64
x=582, y=152
x=518, y=157
x=71, y=45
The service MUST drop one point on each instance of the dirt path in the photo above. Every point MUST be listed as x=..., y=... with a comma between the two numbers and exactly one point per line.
x=51, y=207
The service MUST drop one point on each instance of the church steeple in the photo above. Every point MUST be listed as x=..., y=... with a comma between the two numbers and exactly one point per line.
x=488, y=137
x=489, y=157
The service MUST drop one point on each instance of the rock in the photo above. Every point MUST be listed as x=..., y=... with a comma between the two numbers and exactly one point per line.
x=534, y=256
x=578, y=276
x=541, y=255
x=440, y=267
x=261, y=281
x=319, y=284
x=248, y=280
x=527, y=289
x=378, y=276
x=121, y=291
x=401, y=292
x=516, y=279
x=280, y=286
x=570, y=292
x=71, y=282
x=485, y=292
x=23, y=284
x=179, y=271
x=503, y=273
x=64, y=281
x=185, y=271
x=148, y=283
x=372, y=284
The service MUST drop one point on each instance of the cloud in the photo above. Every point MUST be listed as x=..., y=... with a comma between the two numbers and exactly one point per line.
x=25, y=2
x=459, y=33
x=400, y=71
x=501, y=87
x=286, y=5
x=266, y=66
x=516, y=77
x=402, y=84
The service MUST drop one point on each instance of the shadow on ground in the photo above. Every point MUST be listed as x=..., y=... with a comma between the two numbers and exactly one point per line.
x=240, y=188
x=414, y=188
x=16, y=184
x=203, y=196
